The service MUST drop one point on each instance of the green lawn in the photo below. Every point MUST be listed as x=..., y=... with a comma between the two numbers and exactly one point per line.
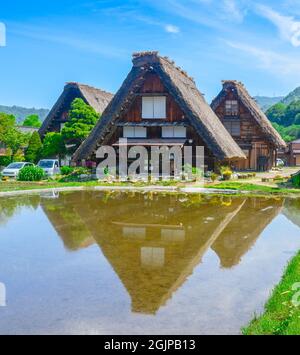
x=240, y=186
x=19, y=186
x=281, y=316
x=6, y=186
x=231, y=185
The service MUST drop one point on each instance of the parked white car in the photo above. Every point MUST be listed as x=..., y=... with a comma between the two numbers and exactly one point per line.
x=50, y=166
x=13, y=169
x=280, y=162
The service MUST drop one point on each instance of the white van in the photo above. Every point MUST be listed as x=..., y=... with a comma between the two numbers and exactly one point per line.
x=50, y=166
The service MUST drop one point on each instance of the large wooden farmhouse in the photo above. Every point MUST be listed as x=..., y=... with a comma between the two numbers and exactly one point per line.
x=248, y=126
x=58, y=116
x=160, y=105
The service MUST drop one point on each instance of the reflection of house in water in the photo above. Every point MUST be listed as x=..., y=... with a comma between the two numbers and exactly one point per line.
x=241, y=234
x=67, y=223
x=292, y=210
x=154, y=243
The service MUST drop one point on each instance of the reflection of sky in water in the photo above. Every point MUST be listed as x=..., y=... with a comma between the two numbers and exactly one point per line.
x=129, y=265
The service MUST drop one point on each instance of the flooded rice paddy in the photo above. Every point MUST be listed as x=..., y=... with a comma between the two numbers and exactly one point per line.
x=133, y=263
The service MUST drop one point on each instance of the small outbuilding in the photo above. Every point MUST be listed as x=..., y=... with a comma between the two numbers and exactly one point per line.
x=248, y=126
x=58, y=116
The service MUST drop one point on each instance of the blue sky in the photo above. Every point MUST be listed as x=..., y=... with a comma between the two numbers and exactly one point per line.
x=53, y=42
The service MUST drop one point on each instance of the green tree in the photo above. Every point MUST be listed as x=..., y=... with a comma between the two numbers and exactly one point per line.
x=53, y=146
x=32, y=121
x=292, y=110
x=14, y=140
x=7, y=122
x=276, y=113
x=82, y=119
x=34, y=149
x=289, y=133
x=297, y=119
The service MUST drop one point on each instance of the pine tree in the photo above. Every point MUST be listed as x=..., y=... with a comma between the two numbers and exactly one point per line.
x=33, y=152
x=82, y=119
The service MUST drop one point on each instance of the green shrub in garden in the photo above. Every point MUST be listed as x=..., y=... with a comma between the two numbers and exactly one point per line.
x=5, y=160
x=296, y=180
x=66, y=170
x=76, y=175
x=31, y=173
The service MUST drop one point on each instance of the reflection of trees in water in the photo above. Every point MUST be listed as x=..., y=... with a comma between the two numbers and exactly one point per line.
x=154, y=241
x=292, y=210
x=10, y=206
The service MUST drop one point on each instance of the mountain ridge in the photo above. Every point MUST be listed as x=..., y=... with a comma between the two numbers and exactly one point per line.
x=22, y=112
x=265, y=102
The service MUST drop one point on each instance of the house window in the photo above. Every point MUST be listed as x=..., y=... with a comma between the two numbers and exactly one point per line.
x=174, y=132
x=231, y=108
x=233, y=127
x=135, y=132
x=154, y=107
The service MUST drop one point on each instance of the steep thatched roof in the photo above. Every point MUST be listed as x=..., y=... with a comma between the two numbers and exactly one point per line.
x=252, y=106
x=96, y=98
x=184, y=91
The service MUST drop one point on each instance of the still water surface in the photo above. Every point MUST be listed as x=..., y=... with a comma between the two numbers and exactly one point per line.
x=115, y=263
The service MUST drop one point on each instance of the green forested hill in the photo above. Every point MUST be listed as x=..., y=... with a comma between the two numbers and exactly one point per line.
x=266, y=102
x=285, y=117
x=292, y=96
x=21, y=112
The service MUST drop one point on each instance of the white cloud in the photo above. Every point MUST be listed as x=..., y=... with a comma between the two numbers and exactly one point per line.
x=233, y=10
x=278, y=64
x=210, y=13
x=172, y=29
x=91, y=45
x=288, y=27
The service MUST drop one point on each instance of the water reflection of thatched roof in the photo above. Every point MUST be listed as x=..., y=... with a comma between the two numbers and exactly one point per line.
x=154, y=243
x=292, y=210
x=154, y=251
x=68, y=224
x=241, y=234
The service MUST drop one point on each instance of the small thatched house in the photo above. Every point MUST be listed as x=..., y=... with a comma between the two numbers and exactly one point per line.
x=58, y=116
x=248, y=126
x=293, y=153
x=159, y=104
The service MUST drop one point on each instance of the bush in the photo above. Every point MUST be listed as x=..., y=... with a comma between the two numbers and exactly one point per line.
x=214, y=177
x=4, y=161
x=66, y=170
x=31, y=173
x=78, y=174
x=296, y=180
x=226, y=172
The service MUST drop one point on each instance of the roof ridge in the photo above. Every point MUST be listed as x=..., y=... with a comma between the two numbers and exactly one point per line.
x=157, y=57
x=88, y=86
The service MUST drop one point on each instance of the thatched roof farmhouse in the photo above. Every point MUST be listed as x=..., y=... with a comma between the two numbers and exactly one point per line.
x=158, y=77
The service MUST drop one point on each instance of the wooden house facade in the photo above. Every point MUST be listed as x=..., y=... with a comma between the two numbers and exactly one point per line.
x=58, y=116
x=160, y=105
x=293, y=153
x=248, y=126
